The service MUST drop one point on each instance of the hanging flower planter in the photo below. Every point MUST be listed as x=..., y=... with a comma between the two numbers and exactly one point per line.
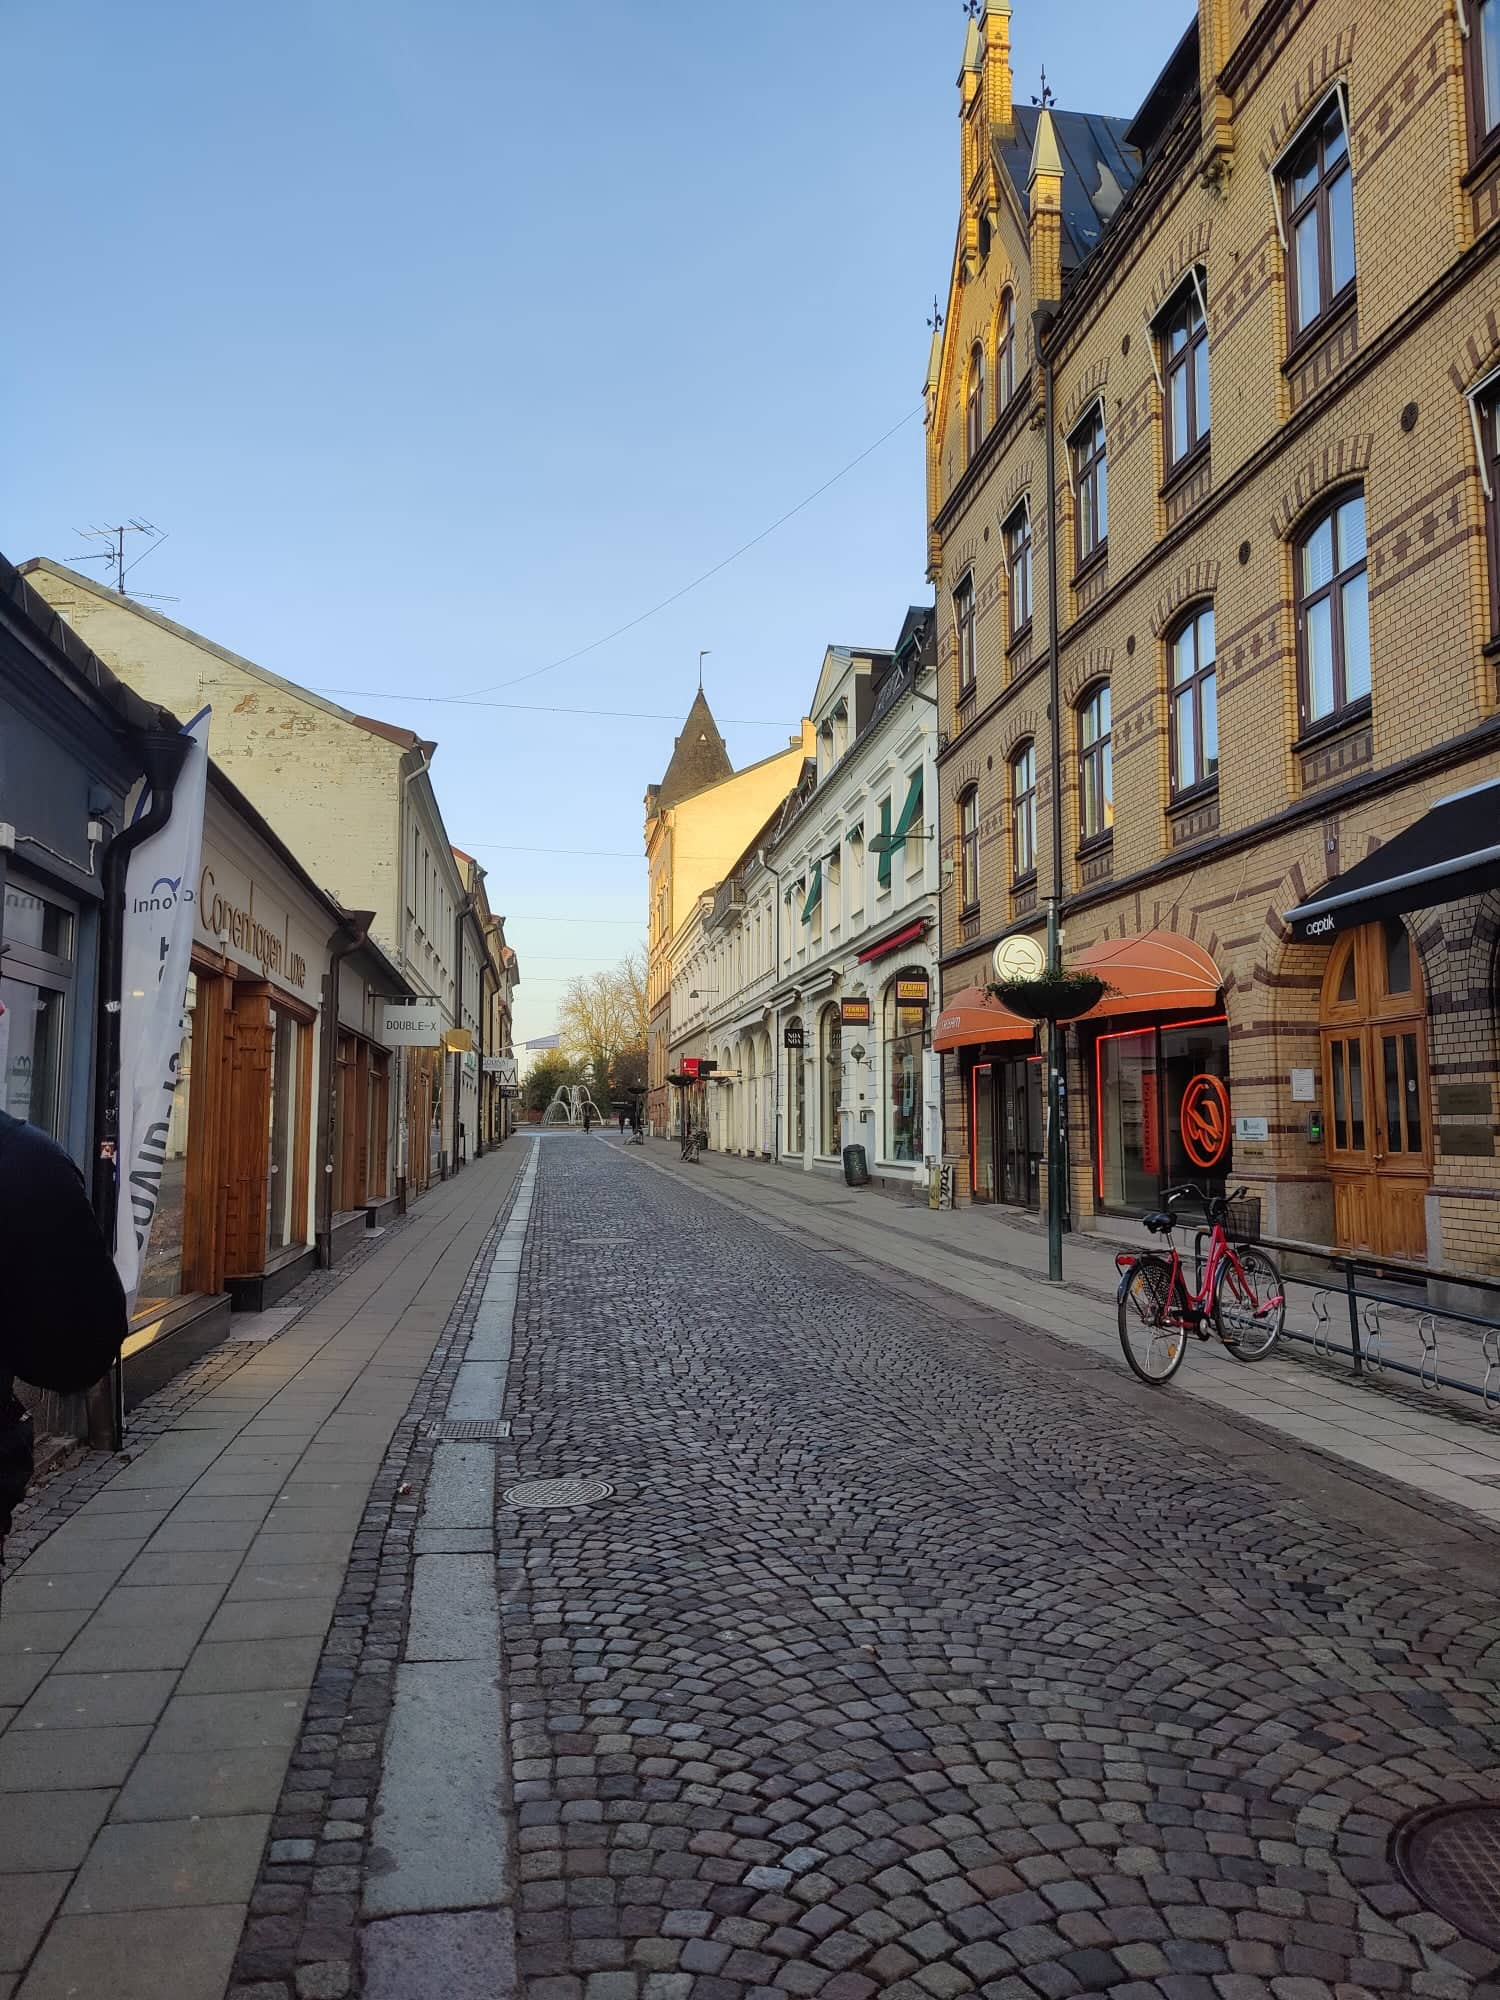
x=1051, y=996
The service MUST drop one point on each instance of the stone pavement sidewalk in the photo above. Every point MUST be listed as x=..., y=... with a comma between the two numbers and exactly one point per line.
x=1447, y=1448
x=157, y=1650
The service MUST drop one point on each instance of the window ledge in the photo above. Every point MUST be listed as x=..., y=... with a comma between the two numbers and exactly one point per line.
x=1019, y=638
x=1492, y=650
x=1328, y=321
x=1095, y=560
x=1194, y=796
x=1026, y=881
x=1096, y=843
x=1182, y=469
x=1333, y=725
x=968, y=913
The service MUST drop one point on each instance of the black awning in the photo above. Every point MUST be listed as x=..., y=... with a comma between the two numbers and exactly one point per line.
x=1451, y=851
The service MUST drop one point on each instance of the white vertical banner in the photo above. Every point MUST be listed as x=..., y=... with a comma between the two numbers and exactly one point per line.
x=161, y=884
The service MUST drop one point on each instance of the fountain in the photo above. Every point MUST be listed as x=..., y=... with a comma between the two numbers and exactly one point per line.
x=567, y=1107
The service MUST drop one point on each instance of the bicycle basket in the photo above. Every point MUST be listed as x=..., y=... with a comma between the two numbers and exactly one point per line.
x=1242, y=1220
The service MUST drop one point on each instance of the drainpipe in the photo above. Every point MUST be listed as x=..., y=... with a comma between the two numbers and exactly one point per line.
x=1057, y=1149
x=163, y=752
x=349, y=936
x=458, y=1018
x=777, y=1053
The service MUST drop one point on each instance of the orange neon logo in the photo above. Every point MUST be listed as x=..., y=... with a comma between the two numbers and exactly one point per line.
x=1204, y=1121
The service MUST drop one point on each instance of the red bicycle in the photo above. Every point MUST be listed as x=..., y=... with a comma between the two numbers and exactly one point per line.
x=1241, y=1296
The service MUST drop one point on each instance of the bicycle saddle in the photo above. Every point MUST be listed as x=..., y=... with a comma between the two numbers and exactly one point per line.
x=1160, y=1222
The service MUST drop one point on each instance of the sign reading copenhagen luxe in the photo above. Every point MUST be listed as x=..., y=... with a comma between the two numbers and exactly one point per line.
x=228, y=923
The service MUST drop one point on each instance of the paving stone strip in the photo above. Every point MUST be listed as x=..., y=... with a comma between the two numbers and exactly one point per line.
x=302, y=1933
x=157, y=1649
x=909, y=1656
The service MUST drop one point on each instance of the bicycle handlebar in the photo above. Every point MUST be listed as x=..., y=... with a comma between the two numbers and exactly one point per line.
x=1214, y=1205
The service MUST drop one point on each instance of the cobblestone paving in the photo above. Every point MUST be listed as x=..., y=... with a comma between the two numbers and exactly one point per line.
x=906, y=1660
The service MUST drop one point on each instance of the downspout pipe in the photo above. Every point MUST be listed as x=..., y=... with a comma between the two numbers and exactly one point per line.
x=777, y=1054
x=1057, y=1152
x=349, y=936
x=163, y=752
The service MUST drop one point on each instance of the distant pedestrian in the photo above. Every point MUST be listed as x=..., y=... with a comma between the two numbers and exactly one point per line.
x=635, y=1121
x=624, y=1114
x=62, y=1321
x=588, y=1119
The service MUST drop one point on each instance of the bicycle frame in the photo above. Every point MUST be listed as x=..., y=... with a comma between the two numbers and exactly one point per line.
x=1195, y=1306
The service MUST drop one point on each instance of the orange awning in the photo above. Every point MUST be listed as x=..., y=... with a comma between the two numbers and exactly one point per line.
x=972, y=1016
x=1156, y=972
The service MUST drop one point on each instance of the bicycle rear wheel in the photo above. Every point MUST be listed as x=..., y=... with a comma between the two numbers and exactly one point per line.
x=1249, y=1305
x=1153, y=1349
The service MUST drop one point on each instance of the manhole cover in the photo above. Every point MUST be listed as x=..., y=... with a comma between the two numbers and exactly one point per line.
x=1450, y=1857
x=557, y=1492
x=467, y=1430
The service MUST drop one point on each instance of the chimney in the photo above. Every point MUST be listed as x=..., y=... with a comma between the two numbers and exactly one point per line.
x=997, y=78
x=972, y=139
x=1044, y=190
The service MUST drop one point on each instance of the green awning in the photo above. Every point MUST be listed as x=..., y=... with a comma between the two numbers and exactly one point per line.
x=883, y=857
x=814, y=894
x=857, y=831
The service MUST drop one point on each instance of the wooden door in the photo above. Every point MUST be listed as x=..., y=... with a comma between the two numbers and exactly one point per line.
x=249, y=1132
x=1375, y=1092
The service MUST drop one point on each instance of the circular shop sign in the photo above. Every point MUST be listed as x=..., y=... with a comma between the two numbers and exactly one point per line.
x=1019, y=957
x=1204, y=1120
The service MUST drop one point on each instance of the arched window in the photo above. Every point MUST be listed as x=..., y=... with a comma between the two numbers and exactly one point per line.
x=1317, y=194
x=974, y=402
x=1096, y=788
x=1005, y=352
x=963, y=632
x=1018, y=568
x=904, y=1022
x=1184, y=360
x=1090, y=485
x=968, y=849
x=1023, y=811
x=831, y=1091
x=1195, y=702
x=1333, y=611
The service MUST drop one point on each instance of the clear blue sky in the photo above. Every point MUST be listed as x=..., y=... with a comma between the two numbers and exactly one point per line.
x=444, y=338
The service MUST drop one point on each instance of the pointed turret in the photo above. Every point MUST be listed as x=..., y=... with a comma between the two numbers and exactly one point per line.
x=699, y=758
x=1044, y=190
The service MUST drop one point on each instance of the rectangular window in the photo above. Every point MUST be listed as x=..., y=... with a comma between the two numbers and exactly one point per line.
x=968, y=849
x=1333, y=612
x=1018, y=569
x=1090, y=485
x=284, y=1225
x=1143, y=1082
x=963, y=626
x=1096, y=788
x=1487, y=421
x=1023, y=812
x=1184, y=345
x=1317, y=195
x=1195, y=704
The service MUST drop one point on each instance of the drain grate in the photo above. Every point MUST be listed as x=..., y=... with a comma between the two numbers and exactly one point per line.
x=557, y=1492
x=467, y=1430
x=1450, y=1857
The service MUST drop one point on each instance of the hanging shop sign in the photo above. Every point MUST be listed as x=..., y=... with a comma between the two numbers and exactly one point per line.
x=1204, y=1120
x=794, y=1036
x=689, y=1066
x=854, y=1013
x=913, y=991
x=503, y=1070
x=419, y=1026
x=458, y=1041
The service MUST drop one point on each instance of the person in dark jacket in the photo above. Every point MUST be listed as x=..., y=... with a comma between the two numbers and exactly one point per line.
x=62, y=1308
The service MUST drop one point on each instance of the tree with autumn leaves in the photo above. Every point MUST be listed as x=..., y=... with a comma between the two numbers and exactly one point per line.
x=601, y=1025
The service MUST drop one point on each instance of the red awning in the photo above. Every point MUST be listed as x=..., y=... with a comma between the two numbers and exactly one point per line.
x=972, y=1016
x=1157, y=972
x=895, y=941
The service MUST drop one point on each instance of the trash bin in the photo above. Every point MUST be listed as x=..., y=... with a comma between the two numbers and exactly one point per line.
x=856, y=1167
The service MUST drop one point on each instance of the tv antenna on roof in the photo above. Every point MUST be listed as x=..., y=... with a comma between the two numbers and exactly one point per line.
x=114, y=552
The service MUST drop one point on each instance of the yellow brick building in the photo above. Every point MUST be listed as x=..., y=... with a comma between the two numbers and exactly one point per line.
x=1253, y=330
x=698, y=820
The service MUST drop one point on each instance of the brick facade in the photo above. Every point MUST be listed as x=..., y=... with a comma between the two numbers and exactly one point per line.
x=1373, y=400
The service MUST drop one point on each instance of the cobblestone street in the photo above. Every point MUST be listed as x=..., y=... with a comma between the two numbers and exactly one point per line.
x=914, y=1653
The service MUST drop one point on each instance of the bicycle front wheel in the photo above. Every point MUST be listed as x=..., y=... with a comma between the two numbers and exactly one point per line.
x=1153, y=1349
x=1249, y=1304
